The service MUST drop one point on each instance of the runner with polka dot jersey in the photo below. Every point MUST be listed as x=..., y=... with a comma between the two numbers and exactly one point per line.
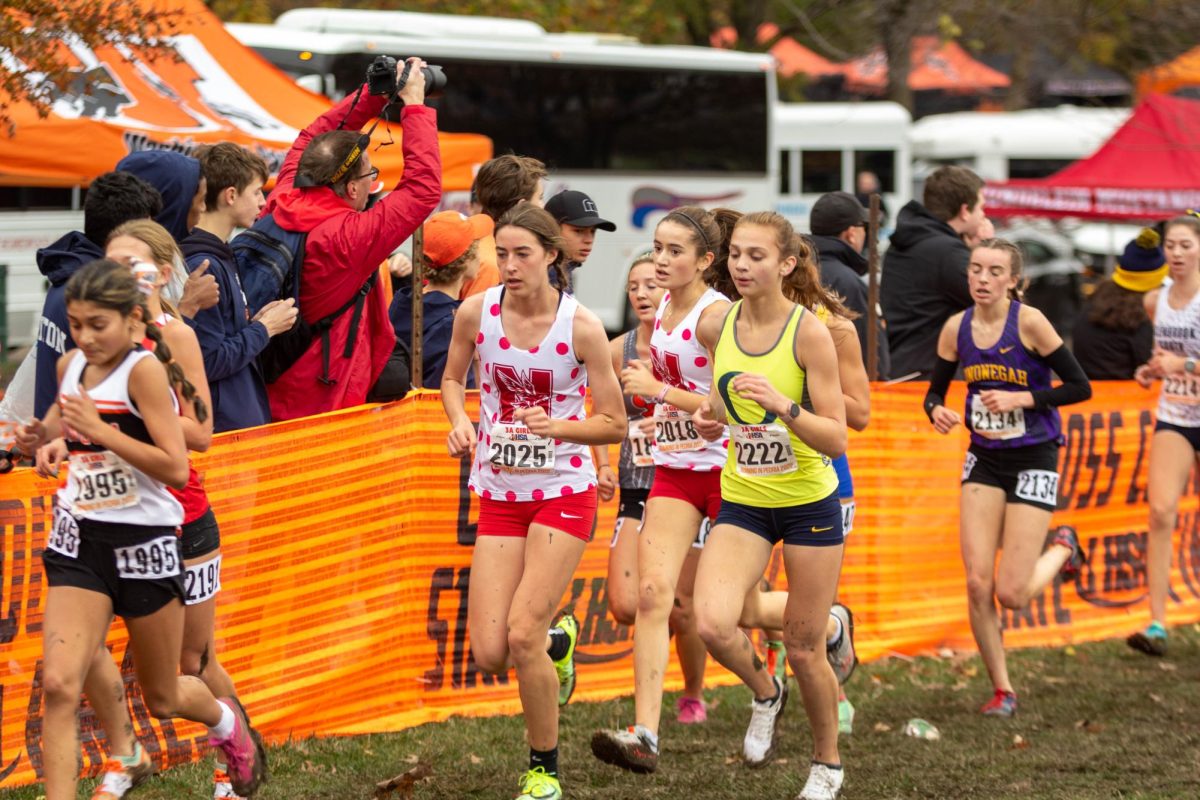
x=539, y=352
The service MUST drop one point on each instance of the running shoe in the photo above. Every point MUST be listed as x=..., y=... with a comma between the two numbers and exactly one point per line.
x=1065, y=536
x=841, y=653
x=690, y=711
x=1002, y=704
x=565, y=666
x=1152, y=641
x=245, y=757
x=761, y=735
x=824, y=783
x=777, y=660
x=845, y=717
x=627, y=749
x=117, y=779
x=222, y=788
x=537, y=785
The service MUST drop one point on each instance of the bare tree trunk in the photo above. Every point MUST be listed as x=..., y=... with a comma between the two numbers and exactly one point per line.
x=896, y=23
x=746, y=16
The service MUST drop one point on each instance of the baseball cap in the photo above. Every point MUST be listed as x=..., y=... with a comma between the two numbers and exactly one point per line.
x=449, y=234
x=834, y=212
x=576, y=208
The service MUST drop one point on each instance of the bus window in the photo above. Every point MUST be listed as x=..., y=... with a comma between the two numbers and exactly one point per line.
x=36, y=198
x=1035, y=167
x=880, y=162
x=785, y=172
x=820, y=171
x=631, y=119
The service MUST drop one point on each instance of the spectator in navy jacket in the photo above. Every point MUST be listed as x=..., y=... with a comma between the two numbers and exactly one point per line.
x=451, y=259
x=230, y=340
x=113, y=199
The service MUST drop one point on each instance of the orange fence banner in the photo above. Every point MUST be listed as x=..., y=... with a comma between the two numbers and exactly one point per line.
x=347, y=543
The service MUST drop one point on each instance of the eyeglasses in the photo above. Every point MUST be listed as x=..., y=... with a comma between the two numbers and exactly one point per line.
x=372, y=173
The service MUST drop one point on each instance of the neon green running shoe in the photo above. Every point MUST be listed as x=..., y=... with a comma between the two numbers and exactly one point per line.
x=845, y=717
x=565, y=666
x=537, y=785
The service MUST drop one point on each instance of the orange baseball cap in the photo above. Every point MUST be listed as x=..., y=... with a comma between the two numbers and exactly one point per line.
x=449, y=234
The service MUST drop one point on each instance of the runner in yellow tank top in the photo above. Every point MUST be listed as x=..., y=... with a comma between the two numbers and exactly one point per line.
x=788, y=424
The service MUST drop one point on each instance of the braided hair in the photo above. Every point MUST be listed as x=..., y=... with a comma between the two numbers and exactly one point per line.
x=112, y=285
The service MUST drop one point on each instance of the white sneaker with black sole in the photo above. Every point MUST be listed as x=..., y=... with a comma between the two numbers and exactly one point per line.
x=759, y=745
x=824, y=783
x=841, y=656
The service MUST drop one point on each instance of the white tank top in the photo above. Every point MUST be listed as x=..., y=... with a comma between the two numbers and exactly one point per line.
x=100, y=484
x=679, y=360
x=510, y=462
x=1178, y=332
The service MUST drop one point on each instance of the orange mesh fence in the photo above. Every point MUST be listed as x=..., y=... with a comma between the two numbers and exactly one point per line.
x=347, y=546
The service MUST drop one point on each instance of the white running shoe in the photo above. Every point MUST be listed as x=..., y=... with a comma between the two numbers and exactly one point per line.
x=842, y=657
x=759, y=745
x=824, y=783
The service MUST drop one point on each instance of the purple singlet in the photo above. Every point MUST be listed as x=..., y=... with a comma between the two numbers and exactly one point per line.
x=1007, y=366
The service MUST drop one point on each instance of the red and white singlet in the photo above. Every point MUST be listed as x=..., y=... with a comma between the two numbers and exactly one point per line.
x=511, y=463
x=192, y=497
x=679, y=360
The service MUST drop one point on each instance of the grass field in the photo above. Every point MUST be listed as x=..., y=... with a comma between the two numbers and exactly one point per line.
x=1095, y=721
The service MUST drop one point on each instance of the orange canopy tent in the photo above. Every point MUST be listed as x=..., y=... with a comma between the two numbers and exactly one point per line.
x=211, y=88
x=936, y=65
x=791, y=56
x=1181, y=73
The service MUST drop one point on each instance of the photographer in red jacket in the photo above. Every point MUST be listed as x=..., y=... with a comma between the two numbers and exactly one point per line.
x=322, y=189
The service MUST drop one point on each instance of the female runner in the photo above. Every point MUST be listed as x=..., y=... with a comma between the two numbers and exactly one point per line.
x=1010, y=476
x=776, y=384
x=114, y=547
x=539, y=351
x=1175, y=312
x=688, y=242
x=636, y=473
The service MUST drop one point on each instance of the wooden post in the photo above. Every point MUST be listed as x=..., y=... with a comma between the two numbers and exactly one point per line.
x=418, y=304
x=873, y=289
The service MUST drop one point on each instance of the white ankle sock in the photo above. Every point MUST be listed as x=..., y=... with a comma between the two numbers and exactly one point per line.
x=830, y=641
x=223, y=729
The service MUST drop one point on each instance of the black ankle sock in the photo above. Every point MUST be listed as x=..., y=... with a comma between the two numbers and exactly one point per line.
x=546, y=759
x=560, y=643
x=827, y=764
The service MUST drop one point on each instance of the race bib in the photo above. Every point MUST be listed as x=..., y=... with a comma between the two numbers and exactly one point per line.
x=64, y=535
x=1038, y=486
x=1182, y=389
x=702, y=534
x=640, y=446
x=847, y=517
x=515, y=449
x=996, y=424
x=674, y=431
x=157, y=558
x=104, y=481
x=763, y=450
x=202, y=581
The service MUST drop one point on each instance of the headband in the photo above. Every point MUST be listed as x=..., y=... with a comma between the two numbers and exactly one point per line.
x=696, y=225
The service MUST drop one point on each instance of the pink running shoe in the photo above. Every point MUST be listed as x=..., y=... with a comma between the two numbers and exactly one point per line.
x=245, y=757
x=690, y=711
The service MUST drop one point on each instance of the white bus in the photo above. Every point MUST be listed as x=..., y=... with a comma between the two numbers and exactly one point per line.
x=639, y=128
x=823, y=146
x=32, y=217
x=1000, y=146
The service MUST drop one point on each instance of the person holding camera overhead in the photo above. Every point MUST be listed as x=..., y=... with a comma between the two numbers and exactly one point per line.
x=322, y=189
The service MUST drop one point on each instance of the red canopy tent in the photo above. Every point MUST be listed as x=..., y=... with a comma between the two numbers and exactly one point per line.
x=1148, y=169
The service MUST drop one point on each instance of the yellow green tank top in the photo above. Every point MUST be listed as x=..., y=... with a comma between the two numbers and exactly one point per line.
x=767, y=465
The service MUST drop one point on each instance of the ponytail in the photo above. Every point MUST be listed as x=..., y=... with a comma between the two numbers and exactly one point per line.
x=174, y=371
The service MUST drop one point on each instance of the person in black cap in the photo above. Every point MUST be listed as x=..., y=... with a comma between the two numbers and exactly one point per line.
x=577, y=215
x=839, y=228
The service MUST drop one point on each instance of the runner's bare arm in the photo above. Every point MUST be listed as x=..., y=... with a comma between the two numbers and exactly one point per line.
x=461, y=440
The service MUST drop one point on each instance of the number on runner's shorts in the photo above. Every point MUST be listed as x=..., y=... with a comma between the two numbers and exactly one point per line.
x=1038, y=485
x=847, y=518
x=968, y=465
x=64, y=536
x=202, y=581
x=158, y=558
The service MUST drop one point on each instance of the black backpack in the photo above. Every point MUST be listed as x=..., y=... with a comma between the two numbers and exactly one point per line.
x=269, y=260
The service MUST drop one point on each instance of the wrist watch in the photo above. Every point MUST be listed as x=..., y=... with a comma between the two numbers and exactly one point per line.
x=1189, y=365
x=792, y=412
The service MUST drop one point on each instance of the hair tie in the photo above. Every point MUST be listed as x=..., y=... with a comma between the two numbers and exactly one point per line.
x=696, y=225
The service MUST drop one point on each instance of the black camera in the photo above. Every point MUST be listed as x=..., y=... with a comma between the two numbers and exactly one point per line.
x=381, y=77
